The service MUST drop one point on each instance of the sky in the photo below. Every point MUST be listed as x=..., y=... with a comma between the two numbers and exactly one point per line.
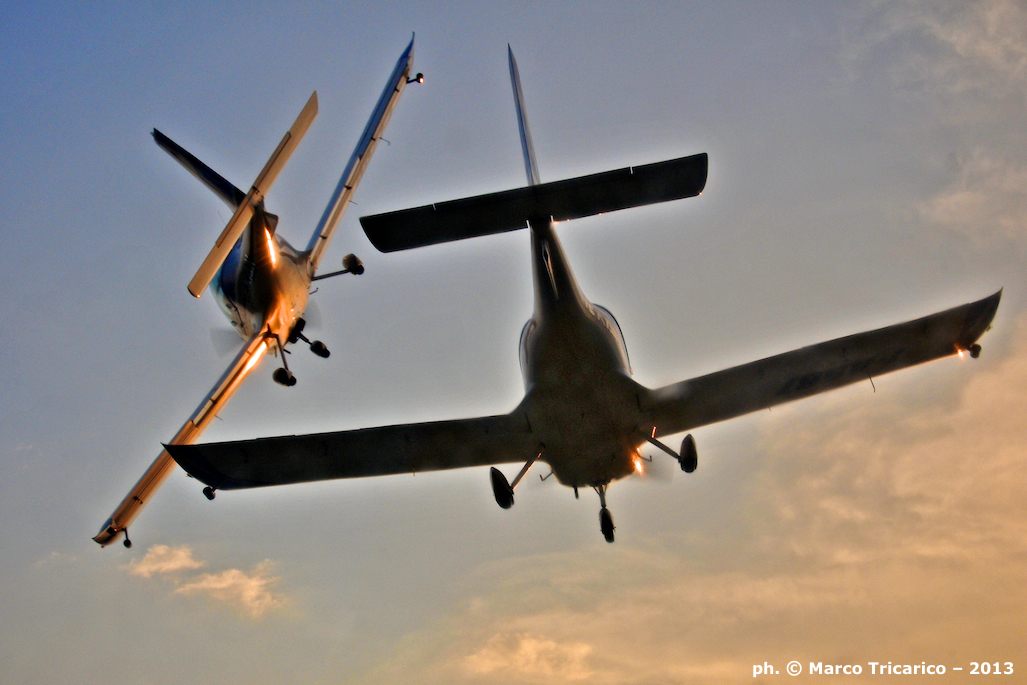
x=868, y=165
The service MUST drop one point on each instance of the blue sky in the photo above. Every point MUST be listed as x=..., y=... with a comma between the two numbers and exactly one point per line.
x=867, y=166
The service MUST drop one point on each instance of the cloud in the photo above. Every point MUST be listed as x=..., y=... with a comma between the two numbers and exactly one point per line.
x=532, y=656
x=887, y=527
x=56, y=559
x=950, y=47
x=163, y=559
x=250, y=592
x=987, y=199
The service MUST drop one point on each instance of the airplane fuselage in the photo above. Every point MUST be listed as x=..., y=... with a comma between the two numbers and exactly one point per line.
x=263, y=284
x=579, y=397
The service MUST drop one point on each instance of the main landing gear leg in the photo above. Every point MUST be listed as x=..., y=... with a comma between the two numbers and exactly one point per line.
x=605, y=517
x=127, y=543
x=502, y=488
x=688, y=458
x=283, y=376
x=317, y=347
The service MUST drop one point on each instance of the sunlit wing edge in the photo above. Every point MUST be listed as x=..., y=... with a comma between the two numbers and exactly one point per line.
x=163, y=465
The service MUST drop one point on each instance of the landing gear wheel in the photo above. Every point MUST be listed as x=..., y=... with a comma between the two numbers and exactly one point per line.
x=689, y=456
x=209, y=493
x=501, y=488
x=351, y=263
x=606, y=524
x=284, y=377
x=975, y=351
x=318, y=348
x=688, y=465
x=127, y=543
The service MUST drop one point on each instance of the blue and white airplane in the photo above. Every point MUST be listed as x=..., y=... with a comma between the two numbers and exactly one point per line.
x=582, y=413
x=259, y=280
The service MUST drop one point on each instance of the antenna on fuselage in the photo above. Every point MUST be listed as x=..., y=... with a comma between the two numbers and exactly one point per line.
x=530, y=165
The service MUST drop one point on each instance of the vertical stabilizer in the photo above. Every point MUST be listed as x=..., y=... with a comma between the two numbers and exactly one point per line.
x=530, y=165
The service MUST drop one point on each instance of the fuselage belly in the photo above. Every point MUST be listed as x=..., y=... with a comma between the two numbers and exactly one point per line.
x=580, y=399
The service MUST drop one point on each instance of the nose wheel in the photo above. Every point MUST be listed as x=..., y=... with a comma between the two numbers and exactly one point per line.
x=605, y=517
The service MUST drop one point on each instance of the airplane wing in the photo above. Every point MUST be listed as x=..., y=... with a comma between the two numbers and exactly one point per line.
x=163, y=465
x=793, y=375
x=382, y=451
x=361, y=156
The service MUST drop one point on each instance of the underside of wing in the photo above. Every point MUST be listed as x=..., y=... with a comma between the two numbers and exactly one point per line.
x=381, y=451
x=815, y=369
x=361, y=156
x=163, y=465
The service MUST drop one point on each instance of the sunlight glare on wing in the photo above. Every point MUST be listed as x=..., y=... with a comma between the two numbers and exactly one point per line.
x=270, y=247
x=257, y=354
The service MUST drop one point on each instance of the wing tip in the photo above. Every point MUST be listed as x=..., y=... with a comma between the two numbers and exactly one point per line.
x=192, y=461
x=979, y=316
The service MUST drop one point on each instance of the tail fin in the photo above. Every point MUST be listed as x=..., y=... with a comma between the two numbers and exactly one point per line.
x=530, y=165
x=231, y=195
x=360, y=157
x=510, y=210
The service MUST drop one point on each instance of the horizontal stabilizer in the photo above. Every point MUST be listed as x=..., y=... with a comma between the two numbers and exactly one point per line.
x=231, y=195
x=510, y=210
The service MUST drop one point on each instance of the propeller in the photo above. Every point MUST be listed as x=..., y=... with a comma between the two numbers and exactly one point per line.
x=312, y=315
x=225, y=341
x=254, y=199
x=660, y=470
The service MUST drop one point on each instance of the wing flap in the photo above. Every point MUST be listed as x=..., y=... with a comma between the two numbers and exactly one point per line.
x=382, y=451
x=510, y=210
x=818, y=368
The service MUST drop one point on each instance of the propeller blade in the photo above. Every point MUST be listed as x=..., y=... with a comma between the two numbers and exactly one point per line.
x=237, y=224
x=312, y=315
x=225, y=341
x=216, y=257
x=660, y=470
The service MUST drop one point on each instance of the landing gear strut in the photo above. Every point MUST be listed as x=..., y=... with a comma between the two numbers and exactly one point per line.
x=605, y=517
x=502, y=488
x=317, y=347
x=282, y=376
x=127, y=543
x=688, y=458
